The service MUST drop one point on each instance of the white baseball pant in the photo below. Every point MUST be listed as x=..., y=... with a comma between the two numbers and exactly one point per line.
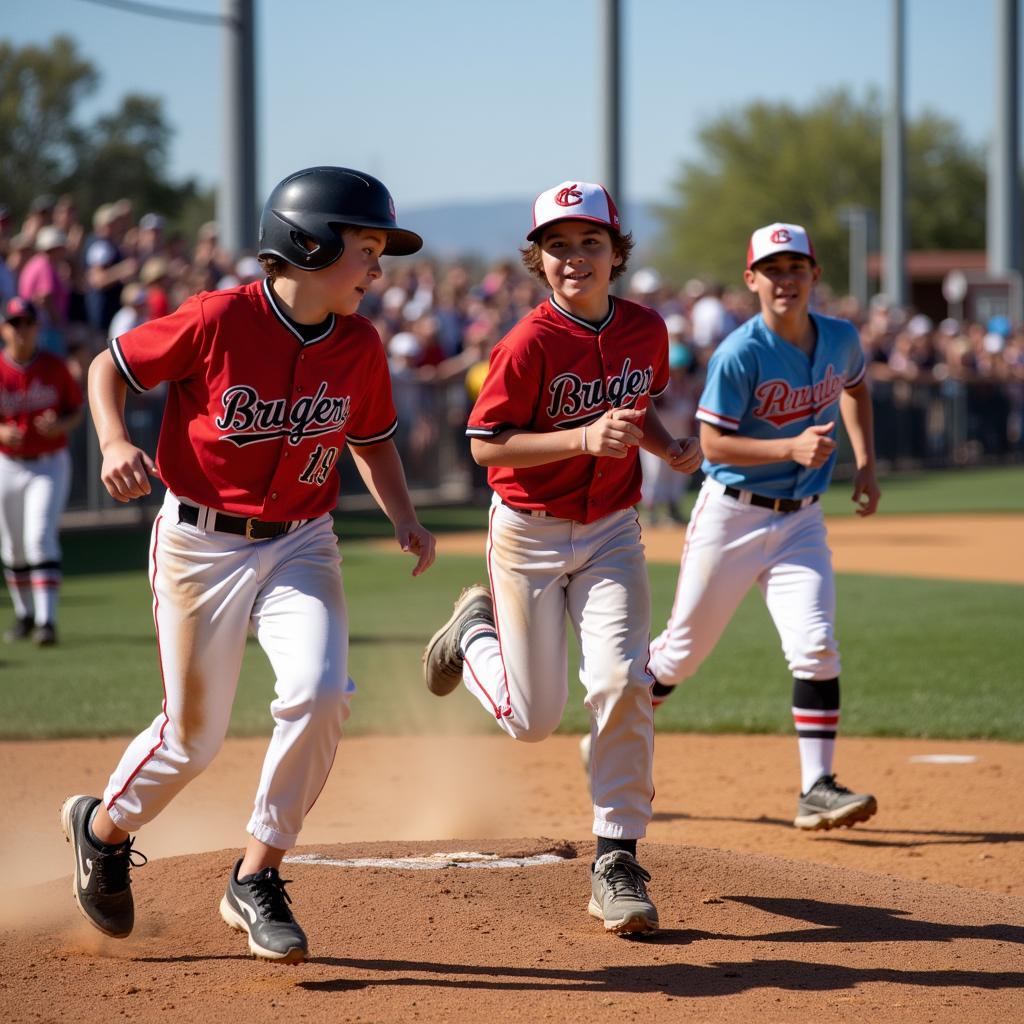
x=209, y=590
x=542, y=568
x=731, y=546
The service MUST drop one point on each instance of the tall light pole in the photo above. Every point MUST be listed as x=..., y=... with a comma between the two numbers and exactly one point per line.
x=236, y=205
x=1004, y=224
x=858, y=220
x=894, y=244
x=611, y=28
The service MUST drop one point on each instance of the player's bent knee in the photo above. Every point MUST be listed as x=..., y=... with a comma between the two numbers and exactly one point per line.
x=531, y=730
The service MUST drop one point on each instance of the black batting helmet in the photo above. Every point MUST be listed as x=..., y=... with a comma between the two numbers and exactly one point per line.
x=316, y=203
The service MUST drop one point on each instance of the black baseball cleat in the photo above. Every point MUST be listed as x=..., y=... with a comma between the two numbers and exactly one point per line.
x=101, y=883
x=258, y=905
x=45, y=635
x=21, y=629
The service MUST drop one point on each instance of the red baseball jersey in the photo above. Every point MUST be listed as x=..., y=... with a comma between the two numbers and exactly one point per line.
x=44, y=384
x=256, y=417
x=554, y=371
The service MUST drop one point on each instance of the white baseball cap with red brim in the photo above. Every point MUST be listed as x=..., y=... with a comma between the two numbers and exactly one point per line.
x=776, y=238
x=573, y=200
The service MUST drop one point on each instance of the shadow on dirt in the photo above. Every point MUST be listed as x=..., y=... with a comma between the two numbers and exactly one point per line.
x=682, y=980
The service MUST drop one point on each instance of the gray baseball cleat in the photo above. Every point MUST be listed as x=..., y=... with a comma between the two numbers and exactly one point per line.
x=442, y=659
x=258, y=905
x=619, y=895
x=828, y=805
x=101, y=883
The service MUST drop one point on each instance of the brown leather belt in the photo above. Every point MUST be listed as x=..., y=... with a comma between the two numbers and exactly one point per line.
x=775, y=504
x=253, y=529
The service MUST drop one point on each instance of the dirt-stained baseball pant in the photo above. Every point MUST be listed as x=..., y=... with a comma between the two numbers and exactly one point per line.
x=542, y=568
x=731, y=546
x=209, y=589
x=33, y=493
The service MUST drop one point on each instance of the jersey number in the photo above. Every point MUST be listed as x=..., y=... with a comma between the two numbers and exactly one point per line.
x=321, y=461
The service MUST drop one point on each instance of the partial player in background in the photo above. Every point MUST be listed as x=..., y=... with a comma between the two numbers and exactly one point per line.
x=40, y=404
x=663, y=489
x=768, y=417
x=559, y=421
x=268, y=383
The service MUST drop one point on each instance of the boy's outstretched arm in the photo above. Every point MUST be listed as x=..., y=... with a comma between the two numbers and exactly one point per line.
x=381, y=469
x=125, y=470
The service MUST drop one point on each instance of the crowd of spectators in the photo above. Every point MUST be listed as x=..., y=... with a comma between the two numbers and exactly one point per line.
x=93, y=276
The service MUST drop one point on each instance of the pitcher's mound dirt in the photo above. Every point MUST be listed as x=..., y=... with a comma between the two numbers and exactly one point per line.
x=745, y=938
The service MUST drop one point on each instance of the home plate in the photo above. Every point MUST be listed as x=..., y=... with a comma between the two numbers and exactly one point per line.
x=430, y=862
x=942, y=759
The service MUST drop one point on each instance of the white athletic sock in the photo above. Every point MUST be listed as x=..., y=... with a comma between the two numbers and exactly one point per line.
x=19, y=586
x=45, y=591
x=816, y=751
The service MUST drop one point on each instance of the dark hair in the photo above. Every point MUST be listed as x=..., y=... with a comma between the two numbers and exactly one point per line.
x=272, y=266
x=621, y=243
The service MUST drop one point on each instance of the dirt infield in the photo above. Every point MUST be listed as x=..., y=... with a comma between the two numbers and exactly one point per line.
x=915, y=916
x=745, y=938
x=954, y=547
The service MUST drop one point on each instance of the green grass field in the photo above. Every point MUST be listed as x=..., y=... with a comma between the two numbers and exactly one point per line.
x=921, y=657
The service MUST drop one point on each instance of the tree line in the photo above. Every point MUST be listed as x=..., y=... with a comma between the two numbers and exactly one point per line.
x=757, y=164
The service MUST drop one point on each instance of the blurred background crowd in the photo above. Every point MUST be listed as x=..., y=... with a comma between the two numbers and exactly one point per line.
x=946, y=392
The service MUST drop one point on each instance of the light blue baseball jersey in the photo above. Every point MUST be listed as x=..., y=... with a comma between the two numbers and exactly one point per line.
x=761, y=386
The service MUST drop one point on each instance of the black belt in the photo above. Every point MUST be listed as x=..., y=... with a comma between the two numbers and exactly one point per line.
x=776, y=504
x=253, y=529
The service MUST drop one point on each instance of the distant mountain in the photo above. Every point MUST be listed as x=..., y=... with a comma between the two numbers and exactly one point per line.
x=496, y=230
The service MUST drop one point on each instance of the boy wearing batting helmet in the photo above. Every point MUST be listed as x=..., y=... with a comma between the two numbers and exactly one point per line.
x=268, y=382
x=558, y=423
x=768, y=417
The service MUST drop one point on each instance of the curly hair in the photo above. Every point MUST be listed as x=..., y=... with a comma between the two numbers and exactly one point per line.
x=621, y=243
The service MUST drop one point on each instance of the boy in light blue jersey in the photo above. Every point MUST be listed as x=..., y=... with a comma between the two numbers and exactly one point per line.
x=768, y=416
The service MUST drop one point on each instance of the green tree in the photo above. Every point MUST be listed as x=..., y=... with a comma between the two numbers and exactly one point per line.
x=768, y=162
x=44, y=149
x=39, y=141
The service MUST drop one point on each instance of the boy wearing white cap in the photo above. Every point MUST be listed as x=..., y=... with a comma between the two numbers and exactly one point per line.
x=558, y=423
x=768, y=417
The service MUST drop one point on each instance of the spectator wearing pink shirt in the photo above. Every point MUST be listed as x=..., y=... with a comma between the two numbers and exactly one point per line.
x=43, y=282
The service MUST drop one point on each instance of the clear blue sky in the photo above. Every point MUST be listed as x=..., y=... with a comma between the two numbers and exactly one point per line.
x=474, y=99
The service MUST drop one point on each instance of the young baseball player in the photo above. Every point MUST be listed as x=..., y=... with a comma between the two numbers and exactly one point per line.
x=768, y=417
x=558, y=423
x=268, y=382
x=40, y=404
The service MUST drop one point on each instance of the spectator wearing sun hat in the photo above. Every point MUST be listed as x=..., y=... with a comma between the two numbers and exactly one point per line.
x=44, y=282
x=133, y=311
x=107, y=268
x=154, y=276
x=152, y=240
